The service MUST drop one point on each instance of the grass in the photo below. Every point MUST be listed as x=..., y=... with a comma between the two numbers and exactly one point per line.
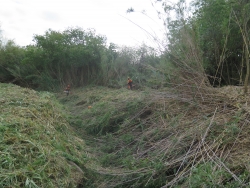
x=37, y=146
x=151, y=138
x=146, y=138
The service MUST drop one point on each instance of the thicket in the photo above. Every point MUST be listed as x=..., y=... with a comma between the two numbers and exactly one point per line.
x=214, y=40
x=75, y=57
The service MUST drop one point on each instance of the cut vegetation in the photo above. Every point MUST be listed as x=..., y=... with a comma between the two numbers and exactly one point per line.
x=154, y=138
x=37, y=145
x=142, y=138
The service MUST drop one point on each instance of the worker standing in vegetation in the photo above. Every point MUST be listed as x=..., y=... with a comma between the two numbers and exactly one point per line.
x=130, y=83
x=67, y=89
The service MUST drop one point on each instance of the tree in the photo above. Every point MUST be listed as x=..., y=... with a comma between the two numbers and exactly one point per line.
x=69, y=57
x=212, y=25
x=11, y=56
x=242, y=18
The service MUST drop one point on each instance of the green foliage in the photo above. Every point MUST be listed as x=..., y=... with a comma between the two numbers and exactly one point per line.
x=210, y=175
x=127, y=138
x=215, y=29
x=122, y=62
x=71, y=56
x=10, y=63
x=109, y=160
x=76, y=57
x=212, y=41
x=206, y=175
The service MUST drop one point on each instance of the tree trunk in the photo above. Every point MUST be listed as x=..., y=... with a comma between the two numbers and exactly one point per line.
x=247, y=74
x=247, y=55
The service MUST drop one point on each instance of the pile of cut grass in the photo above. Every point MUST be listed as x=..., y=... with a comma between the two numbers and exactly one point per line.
x=37, y=145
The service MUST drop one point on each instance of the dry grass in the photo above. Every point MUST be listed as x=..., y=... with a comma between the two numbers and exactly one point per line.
x=164, y=135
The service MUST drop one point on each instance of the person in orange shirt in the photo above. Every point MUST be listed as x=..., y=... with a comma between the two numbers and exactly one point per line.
x=67, y=89
x=130, y=83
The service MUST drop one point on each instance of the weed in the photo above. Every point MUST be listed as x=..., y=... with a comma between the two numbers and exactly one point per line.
x=109, y=160
x=127, y=138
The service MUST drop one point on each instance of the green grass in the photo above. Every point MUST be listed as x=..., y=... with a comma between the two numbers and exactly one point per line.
x=37, y=146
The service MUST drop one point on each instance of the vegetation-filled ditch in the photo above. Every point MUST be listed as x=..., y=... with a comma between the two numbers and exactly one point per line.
x=157, y=138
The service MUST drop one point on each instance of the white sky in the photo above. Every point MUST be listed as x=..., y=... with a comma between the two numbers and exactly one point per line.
x=21, y=19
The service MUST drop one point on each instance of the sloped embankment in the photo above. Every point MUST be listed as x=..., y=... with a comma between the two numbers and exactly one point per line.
x=37, y=146
x=164, y=138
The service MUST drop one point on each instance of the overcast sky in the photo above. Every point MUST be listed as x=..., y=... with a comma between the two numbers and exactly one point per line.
x=21, y=19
